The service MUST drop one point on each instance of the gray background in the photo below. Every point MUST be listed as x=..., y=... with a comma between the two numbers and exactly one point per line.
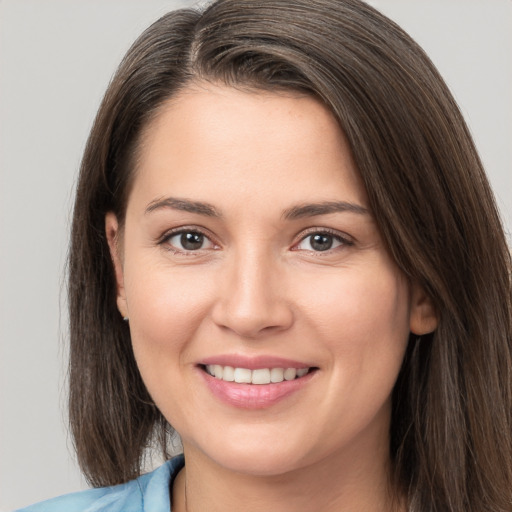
x=56, y=58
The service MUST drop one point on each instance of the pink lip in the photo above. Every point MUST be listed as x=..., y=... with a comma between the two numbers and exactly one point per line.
x=254, y=396
x=253, y=363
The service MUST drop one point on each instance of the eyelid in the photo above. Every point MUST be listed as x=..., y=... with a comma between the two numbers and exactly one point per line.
x=163, y=239
x=345, y=239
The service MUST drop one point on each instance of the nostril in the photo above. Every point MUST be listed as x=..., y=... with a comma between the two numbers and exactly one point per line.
x=252, y=307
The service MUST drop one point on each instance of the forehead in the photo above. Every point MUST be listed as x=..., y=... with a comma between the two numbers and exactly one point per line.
x=211, y=139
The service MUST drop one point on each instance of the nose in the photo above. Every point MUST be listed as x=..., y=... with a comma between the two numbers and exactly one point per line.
x=252, y=297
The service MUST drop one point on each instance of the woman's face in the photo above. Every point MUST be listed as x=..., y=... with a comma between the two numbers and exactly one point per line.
x=249, y=250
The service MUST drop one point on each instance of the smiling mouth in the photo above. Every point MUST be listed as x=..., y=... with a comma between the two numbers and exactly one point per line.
x=258, y=376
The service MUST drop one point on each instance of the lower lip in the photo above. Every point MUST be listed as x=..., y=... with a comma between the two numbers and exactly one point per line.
x=254, y=396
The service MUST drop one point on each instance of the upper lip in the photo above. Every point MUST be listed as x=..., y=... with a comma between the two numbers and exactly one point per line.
x=253, y=362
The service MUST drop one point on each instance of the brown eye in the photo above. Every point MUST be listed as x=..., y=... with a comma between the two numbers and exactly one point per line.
x=320, y=242
x=189, y=241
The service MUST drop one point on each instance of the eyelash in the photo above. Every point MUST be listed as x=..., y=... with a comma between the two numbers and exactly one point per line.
x=165, y=240
x=336, y=236
x=343, y=240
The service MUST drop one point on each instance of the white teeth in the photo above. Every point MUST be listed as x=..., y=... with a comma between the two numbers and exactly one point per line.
x=229, y=374
x=276, y=375
x=290, y=374
x=259, y=376
x=243, y=375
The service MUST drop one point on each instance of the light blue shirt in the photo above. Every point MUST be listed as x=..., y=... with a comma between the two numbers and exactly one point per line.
x=148, y=493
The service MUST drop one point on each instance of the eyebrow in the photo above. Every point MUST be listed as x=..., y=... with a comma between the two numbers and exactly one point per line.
x=324, y=208
x=184, y=205
x=295, y=212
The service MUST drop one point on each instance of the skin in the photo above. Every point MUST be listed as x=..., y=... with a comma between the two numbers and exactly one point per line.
x=257, y=286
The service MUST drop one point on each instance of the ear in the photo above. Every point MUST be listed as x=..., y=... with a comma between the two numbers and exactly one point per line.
x=112, y=231
x=423, y=317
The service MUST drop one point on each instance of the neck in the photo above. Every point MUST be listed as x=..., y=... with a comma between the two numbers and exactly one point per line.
x=339, y=482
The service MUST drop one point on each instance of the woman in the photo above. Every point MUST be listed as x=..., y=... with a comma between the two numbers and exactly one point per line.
x=284, y=246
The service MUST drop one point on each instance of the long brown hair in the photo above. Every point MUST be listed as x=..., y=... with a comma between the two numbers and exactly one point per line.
x=451, y=426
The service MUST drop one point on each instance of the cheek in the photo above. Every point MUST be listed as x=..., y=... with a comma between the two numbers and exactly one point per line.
x=166, y=308
x=362, y=302
x=362, y=319
x=363, y=322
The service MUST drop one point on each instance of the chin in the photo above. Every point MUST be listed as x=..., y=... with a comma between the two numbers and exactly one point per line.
x=264, y=464
x=254, y=457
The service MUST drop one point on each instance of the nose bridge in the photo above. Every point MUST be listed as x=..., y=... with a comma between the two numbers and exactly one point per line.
x=252, y=298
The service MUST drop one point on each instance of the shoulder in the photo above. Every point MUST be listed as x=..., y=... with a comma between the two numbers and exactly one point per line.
x=149, y=492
